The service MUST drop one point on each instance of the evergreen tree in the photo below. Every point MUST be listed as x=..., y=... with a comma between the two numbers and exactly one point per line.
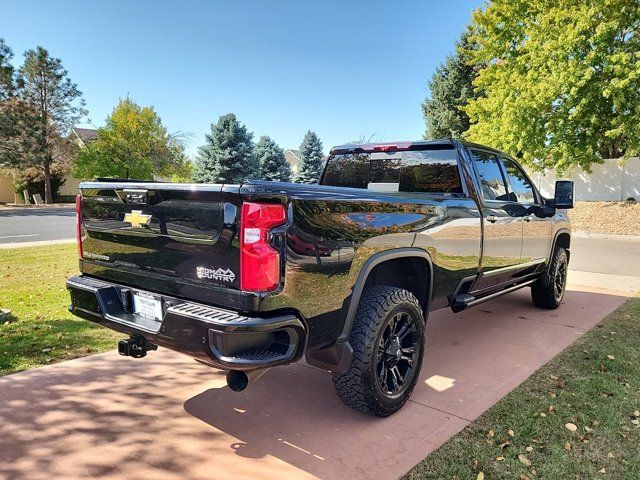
x=9, y=113
x=451, y=87
x=227, y=156
x=52, y=105
x=273, y=164
x=311, y=159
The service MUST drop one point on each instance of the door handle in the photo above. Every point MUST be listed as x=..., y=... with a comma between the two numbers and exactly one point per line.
x=492, y=218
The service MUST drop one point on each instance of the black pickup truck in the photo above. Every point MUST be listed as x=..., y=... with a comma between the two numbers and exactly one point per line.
x=247, y=277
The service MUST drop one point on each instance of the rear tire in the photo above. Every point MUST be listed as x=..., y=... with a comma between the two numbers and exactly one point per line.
x=388, y=347
x=548, y=291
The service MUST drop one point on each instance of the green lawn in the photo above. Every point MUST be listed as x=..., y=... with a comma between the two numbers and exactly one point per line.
x=42, y=331
x=593, y=386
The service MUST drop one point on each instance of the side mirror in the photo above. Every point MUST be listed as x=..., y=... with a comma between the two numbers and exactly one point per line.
x=563, y=197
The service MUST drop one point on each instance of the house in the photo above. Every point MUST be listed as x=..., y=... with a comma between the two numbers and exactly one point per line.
x=82, y=137
x=293, y=157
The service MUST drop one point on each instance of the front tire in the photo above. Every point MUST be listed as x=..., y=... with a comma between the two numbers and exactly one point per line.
x=388, y=347
x=548, y=291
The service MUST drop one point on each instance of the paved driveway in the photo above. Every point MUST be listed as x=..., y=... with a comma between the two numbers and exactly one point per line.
x=19, y=225
x=167, y=417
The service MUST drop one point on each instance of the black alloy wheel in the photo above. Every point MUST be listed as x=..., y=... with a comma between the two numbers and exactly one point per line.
x=396, y=355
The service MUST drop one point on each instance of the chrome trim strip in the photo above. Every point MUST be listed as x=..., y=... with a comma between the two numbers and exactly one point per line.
x=510, y=268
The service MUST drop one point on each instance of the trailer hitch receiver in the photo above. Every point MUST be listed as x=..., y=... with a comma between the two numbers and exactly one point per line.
x=136, y=347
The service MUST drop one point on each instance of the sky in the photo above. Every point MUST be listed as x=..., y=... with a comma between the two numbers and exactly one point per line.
x=345, y=69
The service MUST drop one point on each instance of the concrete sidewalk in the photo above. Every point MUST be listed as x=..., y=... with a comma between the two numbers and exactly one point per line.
x=166, y=416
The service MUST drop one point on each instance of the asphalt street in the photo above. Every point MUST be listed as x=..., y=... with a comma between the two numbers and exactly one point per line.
x=37, y=224
x=606, y=255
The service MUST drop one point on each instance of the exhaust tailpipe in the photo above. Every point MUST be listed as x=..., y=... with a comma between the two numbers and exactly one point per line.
x=238, y=380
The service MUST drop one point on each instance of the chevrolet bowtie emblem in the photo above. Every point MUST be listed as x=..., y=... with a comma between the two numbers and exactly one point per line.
x=137, y=219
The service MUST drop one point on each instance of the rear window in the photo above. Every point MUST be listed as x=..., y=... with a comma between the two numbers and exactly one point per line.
x=433, y=171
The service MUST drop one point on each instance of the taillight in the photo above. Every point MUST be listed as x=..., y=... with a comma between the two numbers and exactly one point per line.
x=259, y=261
x=79, y=224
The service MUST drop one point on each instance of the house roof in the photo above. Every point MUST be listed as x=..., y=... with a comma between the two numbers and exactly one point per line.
x=293, y=157
x=86, y=135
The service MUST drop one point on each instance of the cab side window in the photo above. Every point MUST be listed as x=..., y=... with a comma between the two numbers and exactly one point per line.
x=519, y=184
x=490, y=175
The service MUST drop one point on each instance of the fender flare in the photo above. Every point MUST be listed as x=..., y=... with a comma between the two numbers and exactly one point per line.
x=559, y=232
x=374, y=260
x=544, y=276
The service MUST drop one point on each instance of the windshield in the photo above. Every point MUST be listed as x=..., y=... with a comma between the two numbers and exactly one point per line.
x=404, y=171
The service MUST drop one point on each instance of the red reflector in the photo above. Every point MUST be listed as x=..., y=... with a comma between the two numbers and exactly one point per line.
x=79, y=224
x=259, y=261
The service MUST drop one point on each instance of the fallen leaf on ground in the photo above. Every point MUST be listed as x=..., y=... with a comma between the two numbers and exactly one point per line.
x=587, y=429
x=510, y=433
x=524, y=460
x=571, y=427
x=610, y=455
x=636, y=414
x=603, y=471
x=480, y=476
x=567, y=446
x=499, y=459
x=611, y=357
x=529, y=448
x=490, y=434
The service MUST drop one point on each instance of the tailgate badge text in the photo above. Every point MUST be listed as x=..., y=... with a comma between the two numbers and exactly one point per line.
x=225, y=275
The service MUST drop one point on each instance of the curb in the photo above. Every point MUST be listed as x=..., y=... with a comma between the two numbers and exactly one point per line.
x=8, y=246
x=36, y=207
x=605, y=236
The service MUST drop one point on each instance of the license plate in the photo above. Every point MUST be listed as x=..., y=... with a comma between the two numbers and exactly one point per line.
x=147, y=306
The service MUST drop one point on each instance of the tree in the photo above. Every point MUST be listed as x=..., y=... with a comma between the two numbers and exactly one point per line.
x=132, y=144
x=451, y=87
x=227, y=155
x=311, y=159
x=561, y=82
x=273, y=164
x=12, y=111
x=52, y=105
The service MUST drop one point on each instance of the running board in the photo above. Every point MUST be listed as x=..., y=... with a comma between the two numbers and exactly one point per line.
x=464, y=301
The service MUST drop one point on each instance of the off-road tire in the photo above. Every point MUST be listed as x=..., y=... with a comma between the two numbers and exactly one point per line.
x=548, y=290
x=359, y=387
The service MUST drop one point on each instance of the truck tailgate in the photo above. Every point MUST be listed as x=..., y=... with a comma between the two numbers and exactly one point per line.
x=170, y=235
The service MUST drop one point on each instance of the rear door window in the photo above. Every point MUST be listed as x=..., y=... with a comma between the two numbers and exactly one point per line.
x=492, y=184
x=519, y=184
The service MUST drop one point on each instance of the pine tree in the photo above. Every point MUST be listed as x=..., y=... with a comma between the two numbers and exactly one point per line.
x=53, y=105
x=227, y=156
x=9, y=113
x=273, y=164
x=451, y=87
x=311, y=159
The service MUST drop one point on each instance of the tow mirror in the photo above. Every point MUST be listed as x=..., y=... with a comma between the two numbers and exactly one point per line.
x=563, y=197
